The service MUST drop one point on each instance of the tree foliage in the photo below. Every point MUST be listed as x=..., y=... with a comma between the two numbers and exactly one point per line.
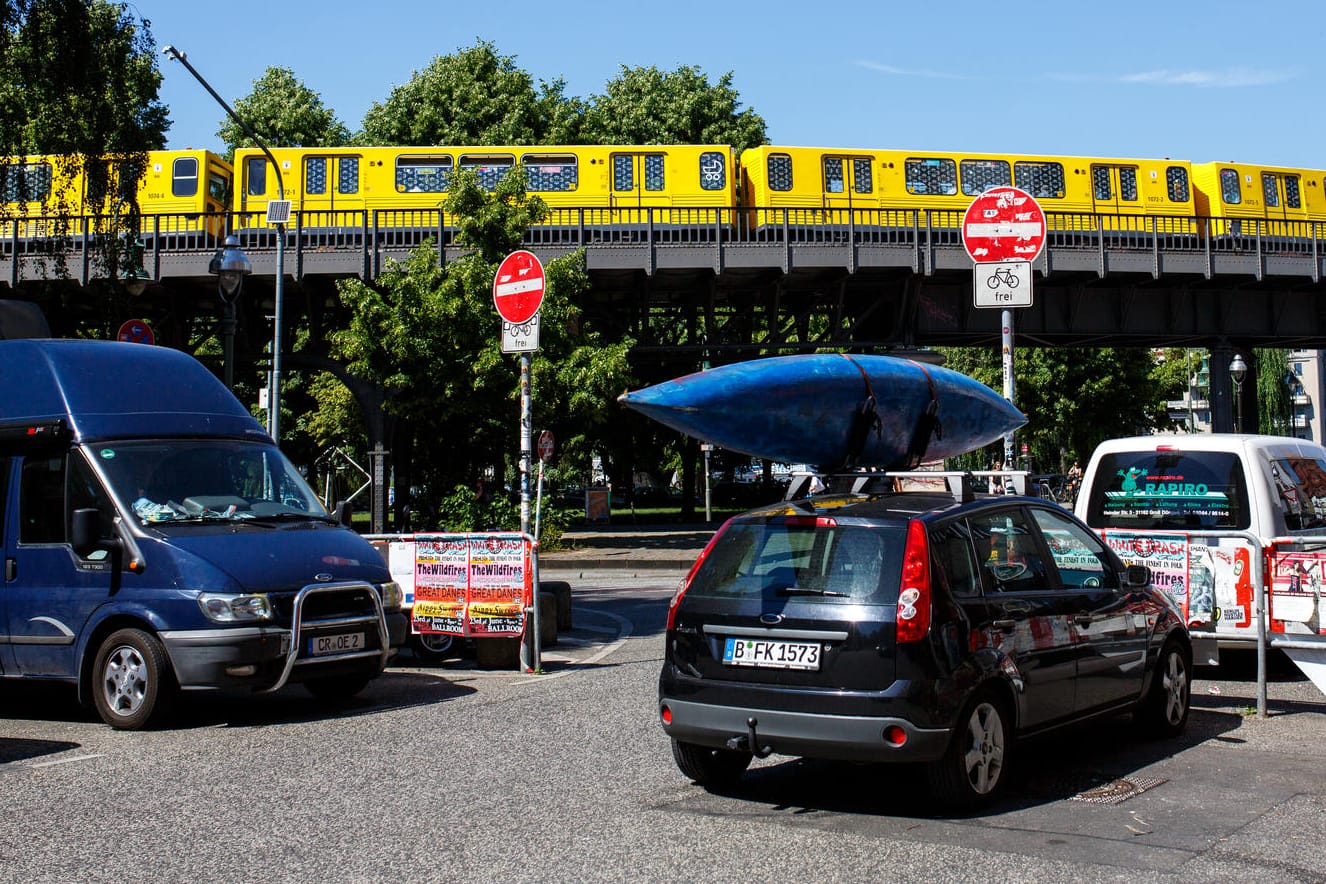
x=1275, y=404
x=644, y=105
x=474, y=96
x=284, y=112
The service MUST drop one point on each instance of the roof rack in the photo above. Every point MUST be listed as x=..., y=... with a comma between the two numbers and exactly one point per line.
x=957, y=483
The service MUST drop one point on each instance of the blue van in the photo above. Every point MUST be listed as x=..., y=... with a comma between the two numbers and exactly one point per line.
x=156, y=540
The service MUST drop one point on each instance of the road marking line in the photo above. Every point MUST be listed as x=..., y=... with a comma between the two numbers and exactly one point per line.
x=64, y=760
x=624, y=630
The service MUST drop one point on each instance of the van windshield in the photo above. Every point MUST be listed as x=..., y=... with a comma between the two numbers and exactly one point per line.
x=1175, y=490
x=176, y=480
x=778, y=559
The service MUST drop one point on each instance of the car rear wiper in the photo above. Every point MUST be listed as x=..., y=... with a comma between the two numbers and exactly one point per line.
x=802, y=590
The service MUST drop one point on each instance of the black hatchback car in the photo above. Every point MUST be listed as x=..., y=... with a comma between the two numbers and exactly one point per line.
x=923, y=627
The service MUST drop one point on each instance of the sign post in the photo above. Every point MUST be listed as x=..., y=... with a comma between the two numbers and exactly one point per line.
x=1003, y=231
x=518, y=294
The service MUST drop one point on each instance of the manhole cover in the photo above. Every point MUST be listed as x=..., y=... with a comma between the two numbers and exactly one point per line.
x=1118, y=791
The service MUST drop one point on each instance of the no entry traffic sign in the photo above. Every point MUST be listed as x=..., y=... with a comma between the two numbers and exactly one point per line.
x=546, y=446
x=518, y=287
x=1003, y=224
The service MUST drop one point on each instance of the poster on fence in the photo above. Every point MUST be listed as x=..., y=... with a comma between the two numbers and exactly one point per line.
x=1167, y=557
x=1298, y=600
x=1210, y=578
x=472, y=585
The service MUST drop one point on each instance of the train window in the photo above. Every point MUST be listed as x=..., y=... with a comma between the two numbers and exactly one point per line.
x=257, y=175
x=833, y=175
x=623, y=172
x=1041, y=180
x=861, y=177
x=347, y=175
x=1291, y=192
x=1128, y=184
x=218, y=187
x=25, y=182
x=1176, y=178
x=551, y=173
x=489, y=167
x=654, y=179
x=935, y=177
x=184, y=176
x=423, y=174
x=1100, y=183
x=713, y=171
x=1270, y=192
x=1229, y=187
x=780, y=171
x=978, y=176
x=315, y=175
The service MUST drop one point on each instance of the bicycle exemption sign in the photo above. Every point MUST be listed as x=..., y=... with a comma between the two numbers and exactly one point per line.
x=1003, y=231
x=1006, y=284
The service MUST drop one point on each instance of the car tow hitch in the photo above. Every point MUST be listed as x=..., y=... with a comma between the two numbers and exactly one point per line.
x=749, y=742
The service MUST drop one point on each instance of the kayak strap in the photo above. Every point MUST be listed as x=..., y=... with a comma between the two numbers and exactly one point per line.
x=865, y=419
x=927, y=424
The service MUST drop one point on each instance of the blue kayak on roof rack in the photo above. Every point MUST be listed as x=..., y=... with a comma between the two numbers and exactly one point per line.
x=833, y=410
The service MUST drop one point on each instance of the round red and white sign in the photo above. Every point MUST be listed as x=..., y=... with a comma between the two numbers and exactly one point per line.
x=518, y=287
x=546, y=446
x=136, y=331
x=1003, y=224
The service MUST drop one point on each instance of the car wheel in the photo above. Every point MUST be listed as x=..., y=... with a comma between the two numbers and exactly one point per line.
x=133, y=680
x=337, y=687
x=432, y=647
x=1164, y=710
x=975, y=766
x=710, y=767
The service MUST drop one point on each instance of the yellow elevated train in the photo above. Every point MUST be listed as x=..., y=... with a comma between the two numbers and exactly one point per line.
x=1234, y=193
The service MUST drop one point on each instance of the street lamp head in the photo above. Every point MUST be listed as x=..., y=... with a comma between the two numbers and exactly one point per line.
x=230, y=265
x=134, y=277
x=1238, y=369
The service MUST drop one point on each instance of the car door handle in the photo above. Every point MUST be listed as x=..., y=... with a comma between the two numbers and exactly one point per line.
x=1004, y=625
x=1082, y=619
x=11, y=569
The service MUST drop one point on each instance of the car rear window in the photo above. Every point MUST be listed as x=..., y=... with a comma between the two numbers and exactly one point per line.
x=1185, y=490
x=779, y=559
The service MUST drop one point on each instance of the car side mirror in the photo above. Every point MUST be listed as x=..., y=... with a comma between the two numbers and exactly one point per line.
x=1137, y=576
x=345, y=513
x=85, y=533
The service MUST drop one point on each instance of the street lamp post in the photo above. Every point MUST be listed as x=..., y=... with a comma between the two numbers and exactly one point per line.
x=274, y=391
x=230, y=265
x=1238, y=369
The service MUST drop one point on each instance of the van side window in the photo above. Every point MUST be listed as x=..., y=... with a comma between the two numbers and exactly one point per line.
x=1300, y=483
x=41, y=500
x=1079, y=556
x=1010, y=555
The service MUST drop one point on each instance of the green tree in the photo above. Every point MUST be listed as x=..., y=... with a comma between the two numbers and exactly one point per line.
x=1275, y=406
x=474, y=96
x=644, y=105
x=285, y=113
x=427, y=338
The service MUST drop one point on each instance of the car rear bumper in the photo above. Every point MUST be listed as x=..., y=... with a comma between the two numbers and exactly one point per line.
x=811, y=735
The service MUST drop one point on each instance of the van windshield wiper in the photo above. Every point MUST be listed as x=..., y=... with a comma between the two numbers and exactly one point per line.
x=804, y=590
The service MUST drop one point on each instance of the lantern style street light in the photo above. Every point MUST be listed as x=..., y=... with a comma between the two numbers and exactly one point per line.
x=1238, y=370
x=230, y=265
x=134, y=277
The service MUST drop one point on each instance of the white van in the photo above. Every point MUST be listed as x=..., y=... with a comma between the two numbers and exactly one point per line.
x=1215, y=517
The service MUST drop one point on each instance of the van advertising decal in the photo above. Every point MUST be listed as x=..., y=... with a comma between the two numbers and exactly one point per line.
x=1210, y=579
x=1169, y=493
x=1298, y=599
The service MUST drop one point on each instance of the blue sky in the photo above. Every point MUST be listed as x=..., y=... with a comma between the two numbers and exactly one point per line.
x=1212, y=81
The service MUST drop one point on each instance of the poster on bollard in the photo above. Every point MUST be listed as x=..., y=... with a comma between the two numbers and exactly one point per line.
x=471, y=585
x=441, y=571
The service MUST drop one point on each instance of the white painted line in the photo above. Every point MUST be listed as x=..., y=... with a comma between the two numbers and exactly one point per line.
x=625, y=628
x=64, y=760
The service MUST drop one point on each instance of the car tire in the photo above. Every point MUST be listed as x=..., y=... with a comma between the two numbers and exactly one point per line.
x=711, y=768
x=1163, y=712
x=334, y=688
x=132, y=680
x=432, y=647
x=974, y=768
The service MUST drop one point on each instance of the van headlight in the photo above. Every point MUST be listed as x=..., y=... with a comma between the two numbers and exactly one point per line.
x=391, y=595
x=235, y=608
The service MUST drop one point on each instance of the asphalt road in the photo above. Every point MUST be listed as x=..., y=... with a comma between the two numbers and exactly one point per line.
x=451, y=773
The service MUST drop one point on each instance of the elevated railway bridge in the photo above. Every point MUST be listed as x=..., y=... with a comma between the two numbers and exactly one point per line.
x=742, y=283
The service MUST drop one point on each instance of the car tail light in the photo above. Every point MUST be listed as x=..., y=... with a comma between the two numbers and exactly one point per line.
x=914, y=594
x=690, y=575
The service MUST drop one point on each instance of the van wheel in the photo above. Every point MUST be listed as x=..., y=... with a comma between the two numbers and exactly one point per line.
x=133, y=683
x=1164, y=710
x=975, y=766
x=711, y=768
x=432, y=647
x=337, y=687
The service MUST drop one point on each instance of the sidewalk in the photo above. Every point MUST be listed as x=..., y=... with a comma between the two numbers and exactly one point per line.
x=638, y=547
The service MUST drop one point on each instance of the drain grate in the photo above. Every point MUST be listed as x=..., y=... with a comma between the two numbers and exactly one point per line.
x=1118, y=791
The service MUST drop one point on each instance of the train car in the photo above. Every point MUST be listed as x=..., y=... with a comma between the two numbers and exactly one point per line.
x=888, y=188
x=1287, y=199
x=180, y=191
x=594, y=185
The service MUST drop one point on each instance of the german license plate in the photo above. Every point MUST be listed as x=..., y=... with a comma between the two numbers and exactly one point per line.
x=768, y=654
x=344, y=643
